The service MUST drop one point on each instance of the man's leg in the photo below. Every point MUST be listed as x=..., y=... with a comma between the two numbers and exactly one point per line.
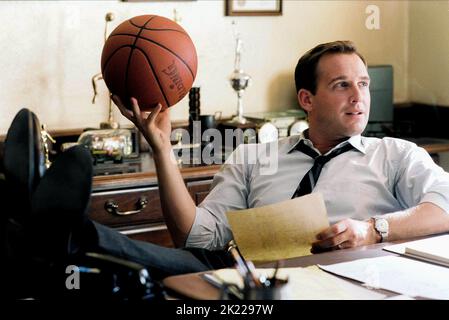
x=160, y=260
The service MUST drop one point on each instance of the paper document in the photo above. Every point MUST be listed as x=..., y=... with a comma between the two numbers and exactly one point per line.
x=402, y=275
x=309, y=283
x=434, y=249
x=279, y=231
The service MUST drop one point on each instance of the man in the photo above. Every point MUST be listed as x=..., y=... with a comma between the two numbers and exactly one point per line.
x=374, y=190
x=360, y=178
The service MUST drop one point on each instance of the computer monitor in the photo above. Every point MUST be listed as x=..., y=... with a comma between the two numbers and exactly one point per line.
x=381, y=89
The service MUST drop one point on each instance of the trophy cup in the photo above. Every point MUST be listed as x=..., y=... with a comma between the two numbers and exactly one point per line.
x=239, y=82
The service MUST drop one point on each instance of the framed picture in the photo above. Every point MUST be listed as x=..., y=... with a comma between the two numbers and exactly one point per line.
x=253, y=7
x=153, y=0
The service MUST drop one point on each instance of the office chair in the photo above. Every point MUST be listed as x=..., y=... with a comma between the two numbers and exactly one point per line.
x=39, y=206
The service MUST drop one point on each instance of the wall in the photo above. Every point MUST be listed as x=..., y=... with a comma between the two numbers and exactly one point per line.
x=51, y=49
x=429, y=52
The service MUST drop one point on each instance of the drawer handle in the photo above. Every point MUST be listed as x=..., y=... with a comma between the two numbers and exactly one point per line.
x=113, y=208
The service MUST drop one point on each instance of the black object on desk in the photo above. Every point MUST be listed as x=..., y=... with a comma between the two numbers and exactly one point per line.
x=194, y=107
x=239, y=136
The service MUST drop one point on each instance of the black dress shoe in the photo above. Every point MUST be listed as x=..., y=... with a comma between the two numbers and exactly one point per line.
x=59, y=205
x=40, y=210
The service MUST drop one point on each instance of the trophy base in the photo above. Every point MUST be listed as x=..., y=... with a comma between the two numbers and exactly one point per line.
x=239, y=119
x=109, y=125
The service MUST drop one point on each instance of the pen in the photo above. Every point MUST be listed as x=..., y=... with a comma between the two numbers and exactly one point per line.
x=220, y=284
x=273, y=278
x=242, y=267
x=212, y=280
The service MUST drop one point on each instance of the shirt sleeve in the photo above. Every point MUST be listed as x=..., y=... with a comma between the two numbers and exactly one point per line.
x=421, y=180
x=229, y=191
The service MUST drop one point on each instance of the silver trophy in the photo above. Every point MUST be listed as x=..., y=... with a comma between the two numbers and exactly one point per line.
x=239, y=82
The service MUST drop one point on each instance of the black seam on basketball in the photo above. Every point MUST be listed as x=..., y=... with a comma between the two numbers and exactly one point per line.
x=140, y=27
x=114, y=52
x=162, y=46
x=131, y=54
x=111, y=55
x=146, y=57
x=155, y=75
x=172, y=52
x=151, y=29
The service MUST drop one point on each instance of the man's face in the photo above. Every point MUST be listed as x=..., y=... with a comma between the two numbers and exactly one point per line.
x=340, y=106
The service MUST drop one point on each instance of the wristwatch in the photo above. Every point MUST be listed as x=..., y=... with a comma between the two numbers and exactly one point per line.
x=381, y=226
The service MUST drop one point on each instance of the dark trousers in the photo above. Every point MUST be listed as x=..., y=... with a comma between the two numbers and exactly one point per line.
x=161, y=261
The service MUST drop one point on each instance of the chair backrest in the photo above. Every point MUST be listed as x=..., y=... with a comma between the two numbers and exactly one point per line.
x=22, y=167
x=23, y=160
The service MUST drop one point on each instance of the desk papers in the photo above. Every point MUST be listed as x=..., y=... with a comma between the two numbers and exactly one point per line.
x=279, y=231
x=405, y=276
x=309, y=283
x=434, y=249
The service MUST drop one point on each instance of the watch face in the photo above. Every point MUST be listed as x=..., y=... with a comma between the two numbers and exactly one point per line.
x=382, y=225
x=267, y=133
x=298, y=127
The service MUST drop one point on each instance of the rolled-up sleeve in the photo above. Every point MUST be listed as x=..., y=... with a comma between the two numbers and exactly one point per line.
x=421, y=180
x=229, y=191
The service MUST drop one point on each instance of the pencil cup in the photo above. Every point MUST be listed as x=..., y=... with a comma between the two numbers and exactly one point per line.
x=278, y=291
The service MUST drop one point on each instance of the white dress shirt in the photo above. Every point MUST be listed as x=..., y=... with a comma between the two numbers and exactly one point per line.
x=378, y=176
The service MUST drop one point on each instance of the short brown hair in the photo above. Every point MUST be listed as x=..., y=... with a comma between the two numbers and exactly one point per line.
x=306, y=69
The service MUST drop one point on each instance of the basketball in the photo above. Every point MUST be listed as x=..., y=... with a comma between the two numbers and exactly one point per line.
x=150, y=58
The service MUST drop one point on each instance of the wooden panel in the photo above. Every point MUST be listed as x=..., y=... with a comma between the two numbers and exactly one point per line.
x=149, y=177
x=199, y=190
x=127, y=200
x=155, y=234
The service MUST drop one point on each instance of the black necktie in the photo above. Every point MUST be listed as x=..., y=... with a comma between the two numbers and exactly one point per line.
x=308, y=182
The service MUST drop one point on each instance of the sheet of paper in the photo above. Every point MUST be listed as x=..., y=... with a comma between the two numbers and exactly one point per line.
x=400, y=297
x=402, y=275
x=395, y=248
x=279, y=231
x=434, y=249
x=309, y=283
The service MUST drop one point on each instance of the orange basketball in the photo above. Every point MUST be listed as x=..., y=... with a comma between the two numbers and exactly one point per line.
x=150, y=58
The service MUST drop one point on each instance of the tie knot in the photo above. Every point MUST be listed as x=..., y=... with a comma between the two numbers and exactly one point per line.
x=322, y=159
x=309, y=180
x=302, y=147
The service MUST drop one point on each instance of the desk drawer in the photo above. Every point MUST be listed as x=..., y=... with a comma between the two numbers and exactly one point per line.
x=126, y=207
x=156, y=233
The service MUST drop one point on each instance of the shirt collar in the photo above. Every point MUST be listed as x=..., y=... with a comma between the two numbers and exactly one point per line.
x=356, y=141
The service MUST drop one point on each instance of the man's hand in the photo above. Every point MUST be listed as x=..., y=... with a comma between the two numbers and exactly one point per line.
x=347, y=233
x=155, y=127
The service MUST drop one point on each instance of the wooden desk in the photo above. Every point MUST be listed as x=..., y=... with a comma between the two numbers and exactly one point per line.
x=431, y=145
x=436, y=148
x=127, y=190
x=193, y=286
